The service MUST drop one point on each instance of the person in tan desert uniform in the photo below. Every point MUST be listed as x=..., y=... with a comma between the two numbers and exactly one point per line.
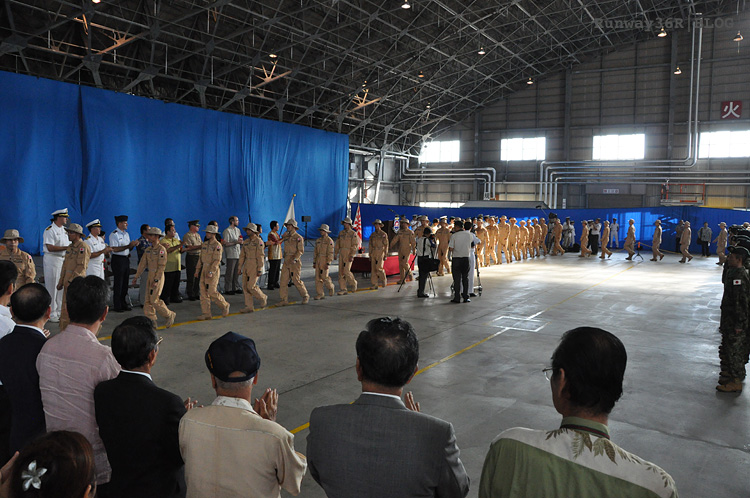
x=424, y=222
x=557, y=233
x=406, y=244
x=629, y=244
x=294, y=248
x=523, y=239
x=378, y=250
x=209, y=271
x=685, y=238
x=585, y=251
x=515, y=231
x=322, y=258
x=74, y=265
x=491, y=249
x=543, y=239
x=605, y=239
x=154, y=260
x=22, y=260
x=252, y=264
x=483, y=235
x=656, y=242
x=443, y=236
x=344, y=250
x=536, y=236
x=721, y=243
x=503, y=233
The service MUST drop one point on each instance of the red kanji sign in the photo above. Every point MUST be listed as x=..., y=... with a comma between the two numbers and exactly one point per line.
x=731, y=109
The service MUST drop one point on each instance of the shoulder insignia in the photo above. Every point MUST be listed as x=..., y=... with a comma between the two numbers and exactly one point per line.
x=161, y=252
x=737, y=282
x=48, y=228
x=82, y=249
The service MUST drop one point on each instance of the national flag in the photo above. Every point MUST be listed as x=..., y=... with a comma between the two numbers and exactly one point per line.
x=358, y=226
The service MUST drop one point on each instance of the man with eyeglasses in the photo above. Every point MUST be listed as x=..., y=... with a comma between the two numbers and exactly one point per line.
x=578, y=459
x=139, y=421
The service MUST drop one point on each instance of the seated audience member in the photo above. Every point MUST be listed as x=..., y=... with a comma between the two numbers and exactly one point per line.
x=377, y=446
x=138, y=421
x=56, y=465
x=8, y=275
x=234, y=449
x=578, y=459
x=30, y=306
x=72, y=363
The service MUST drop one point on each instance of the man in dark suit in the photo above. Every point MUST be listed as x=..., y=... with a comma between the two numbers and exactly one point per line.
x=138, y=422
x=30, y=306
x=378, y=446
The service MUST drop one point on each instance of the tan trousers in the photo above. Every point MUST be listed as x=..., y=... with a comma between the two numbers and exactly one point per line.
x=346, y=277
x=503, y=248
x=491, y=253
x=603, y=247
x=251, y=289
x=630, y=247
x=377, y=273
x=154, y=303
x=64, y=318
x=292, y=270
x=557, y=248
x=209, y=293
x=443, y=257
x=683, y=251
x=513, y=248
x=721, y=251
x=322, y=281
x=403, y=266
x=656, y=252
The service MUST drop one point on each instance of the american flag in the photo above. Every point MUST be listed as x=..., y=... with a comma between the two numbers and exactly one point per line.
x=358, y=226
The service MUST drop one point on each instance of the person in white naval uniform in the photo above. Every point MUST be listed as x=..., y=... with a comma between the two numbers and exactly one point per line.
x=56, y=242
x=99, y=249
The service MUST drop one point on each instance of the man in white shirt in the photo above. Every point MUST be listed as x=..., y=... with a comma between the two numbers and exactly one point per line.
x=231, y=239
x=119, y=241
x=98, y=248
x=55, y=244
x=461, y=248
x=614, y=228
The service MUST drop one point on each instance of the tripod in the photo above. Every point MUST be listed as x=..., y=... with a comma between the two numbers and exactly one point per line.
x=638, y=252
x=411, y=269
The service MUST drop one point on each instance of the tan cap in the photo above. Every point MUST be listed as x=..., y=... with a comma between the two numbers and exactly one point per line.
x=292, y=223
x=252, y=227
x=377, y=222
x=346, y=220
x=12, y=234
x=154, y=231
x=75, y=228
x=423, y=217
x=325, y=228
x=212, y=229
x=658, y=221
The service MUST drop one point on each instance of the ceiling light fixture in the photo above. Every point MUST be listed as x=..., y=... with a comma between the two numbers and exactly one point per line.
x=272, y=56
x=662, y=33
x=406, y=5
x=678, y=70
x=481, y=51
x=420, y=75
x=738, y=38
x=530, y=82
x=96, y=1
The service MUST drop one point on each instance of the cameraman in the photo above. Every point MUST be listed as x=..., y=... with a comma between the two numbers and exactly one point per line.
x=425, y=258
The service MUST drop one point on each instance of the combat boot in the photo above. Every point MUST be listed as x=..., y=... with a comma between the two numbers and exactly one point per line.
x=204, y=317
x=247, y=309
x=170, y=320
x=733, y=386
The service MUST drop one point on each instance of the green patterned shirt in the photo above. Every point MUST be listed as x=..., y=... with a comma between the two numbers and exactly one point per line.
x=576, y=460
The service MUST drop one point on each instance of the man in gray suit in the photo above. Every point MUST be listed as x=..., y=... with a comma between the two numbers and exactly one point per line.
x=378, y=446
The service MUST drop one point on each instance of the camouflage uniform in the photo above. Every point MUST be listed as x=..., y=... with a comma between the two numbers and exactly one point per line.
x=735, y=308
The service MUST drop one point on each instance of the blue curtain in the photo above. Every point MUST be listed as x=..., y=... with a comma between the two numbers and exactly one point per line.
x=102, y=154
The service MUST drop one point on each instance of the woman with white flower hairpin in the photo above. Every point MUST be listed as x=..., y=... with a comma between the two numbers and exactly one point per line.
x=58, y=464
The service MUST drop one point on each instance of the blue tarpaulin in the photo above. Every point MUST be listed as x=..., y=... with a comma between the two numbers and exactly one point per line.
x=644, y=218
x=101, y=154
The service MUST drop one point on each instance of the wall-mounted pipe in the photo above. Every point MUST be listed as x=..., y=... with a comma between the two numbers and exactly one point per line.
x=488, y=175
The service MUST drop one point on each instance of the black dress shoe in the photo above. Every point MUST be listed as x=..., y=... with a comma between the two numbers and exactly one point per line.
x=117, y=310
x=229, y=293
x=422, y=295
x=472, y=295
x=467, y=300
x=270, y=287
x=127, y=308
x=176, y=300
x=455, y=300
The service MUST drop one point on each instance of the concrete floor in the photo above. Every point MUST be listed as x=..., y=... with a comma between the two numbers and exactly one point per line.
x=484, y=359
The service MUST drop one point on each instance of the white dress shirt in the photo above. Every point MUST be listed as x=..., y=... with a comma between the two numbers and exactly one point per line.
x=461, y=243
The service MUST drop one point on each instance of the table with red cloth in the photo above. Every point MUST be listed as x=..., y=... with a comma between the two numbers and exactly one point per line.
x=361, y=264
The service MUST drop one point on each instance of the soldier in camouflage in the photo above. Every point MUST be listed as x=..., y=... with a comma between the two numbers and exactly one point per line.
x=735, y=307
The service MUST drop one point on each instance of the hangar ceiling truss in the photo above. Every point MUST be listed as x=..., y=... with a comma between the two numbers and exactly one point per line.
x=386, y=76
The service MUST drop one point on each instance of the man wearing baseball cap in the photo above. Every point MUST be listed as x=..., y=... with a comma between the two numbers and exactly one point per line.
x=234, y=447
x=75, y=264
x=55, y=244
